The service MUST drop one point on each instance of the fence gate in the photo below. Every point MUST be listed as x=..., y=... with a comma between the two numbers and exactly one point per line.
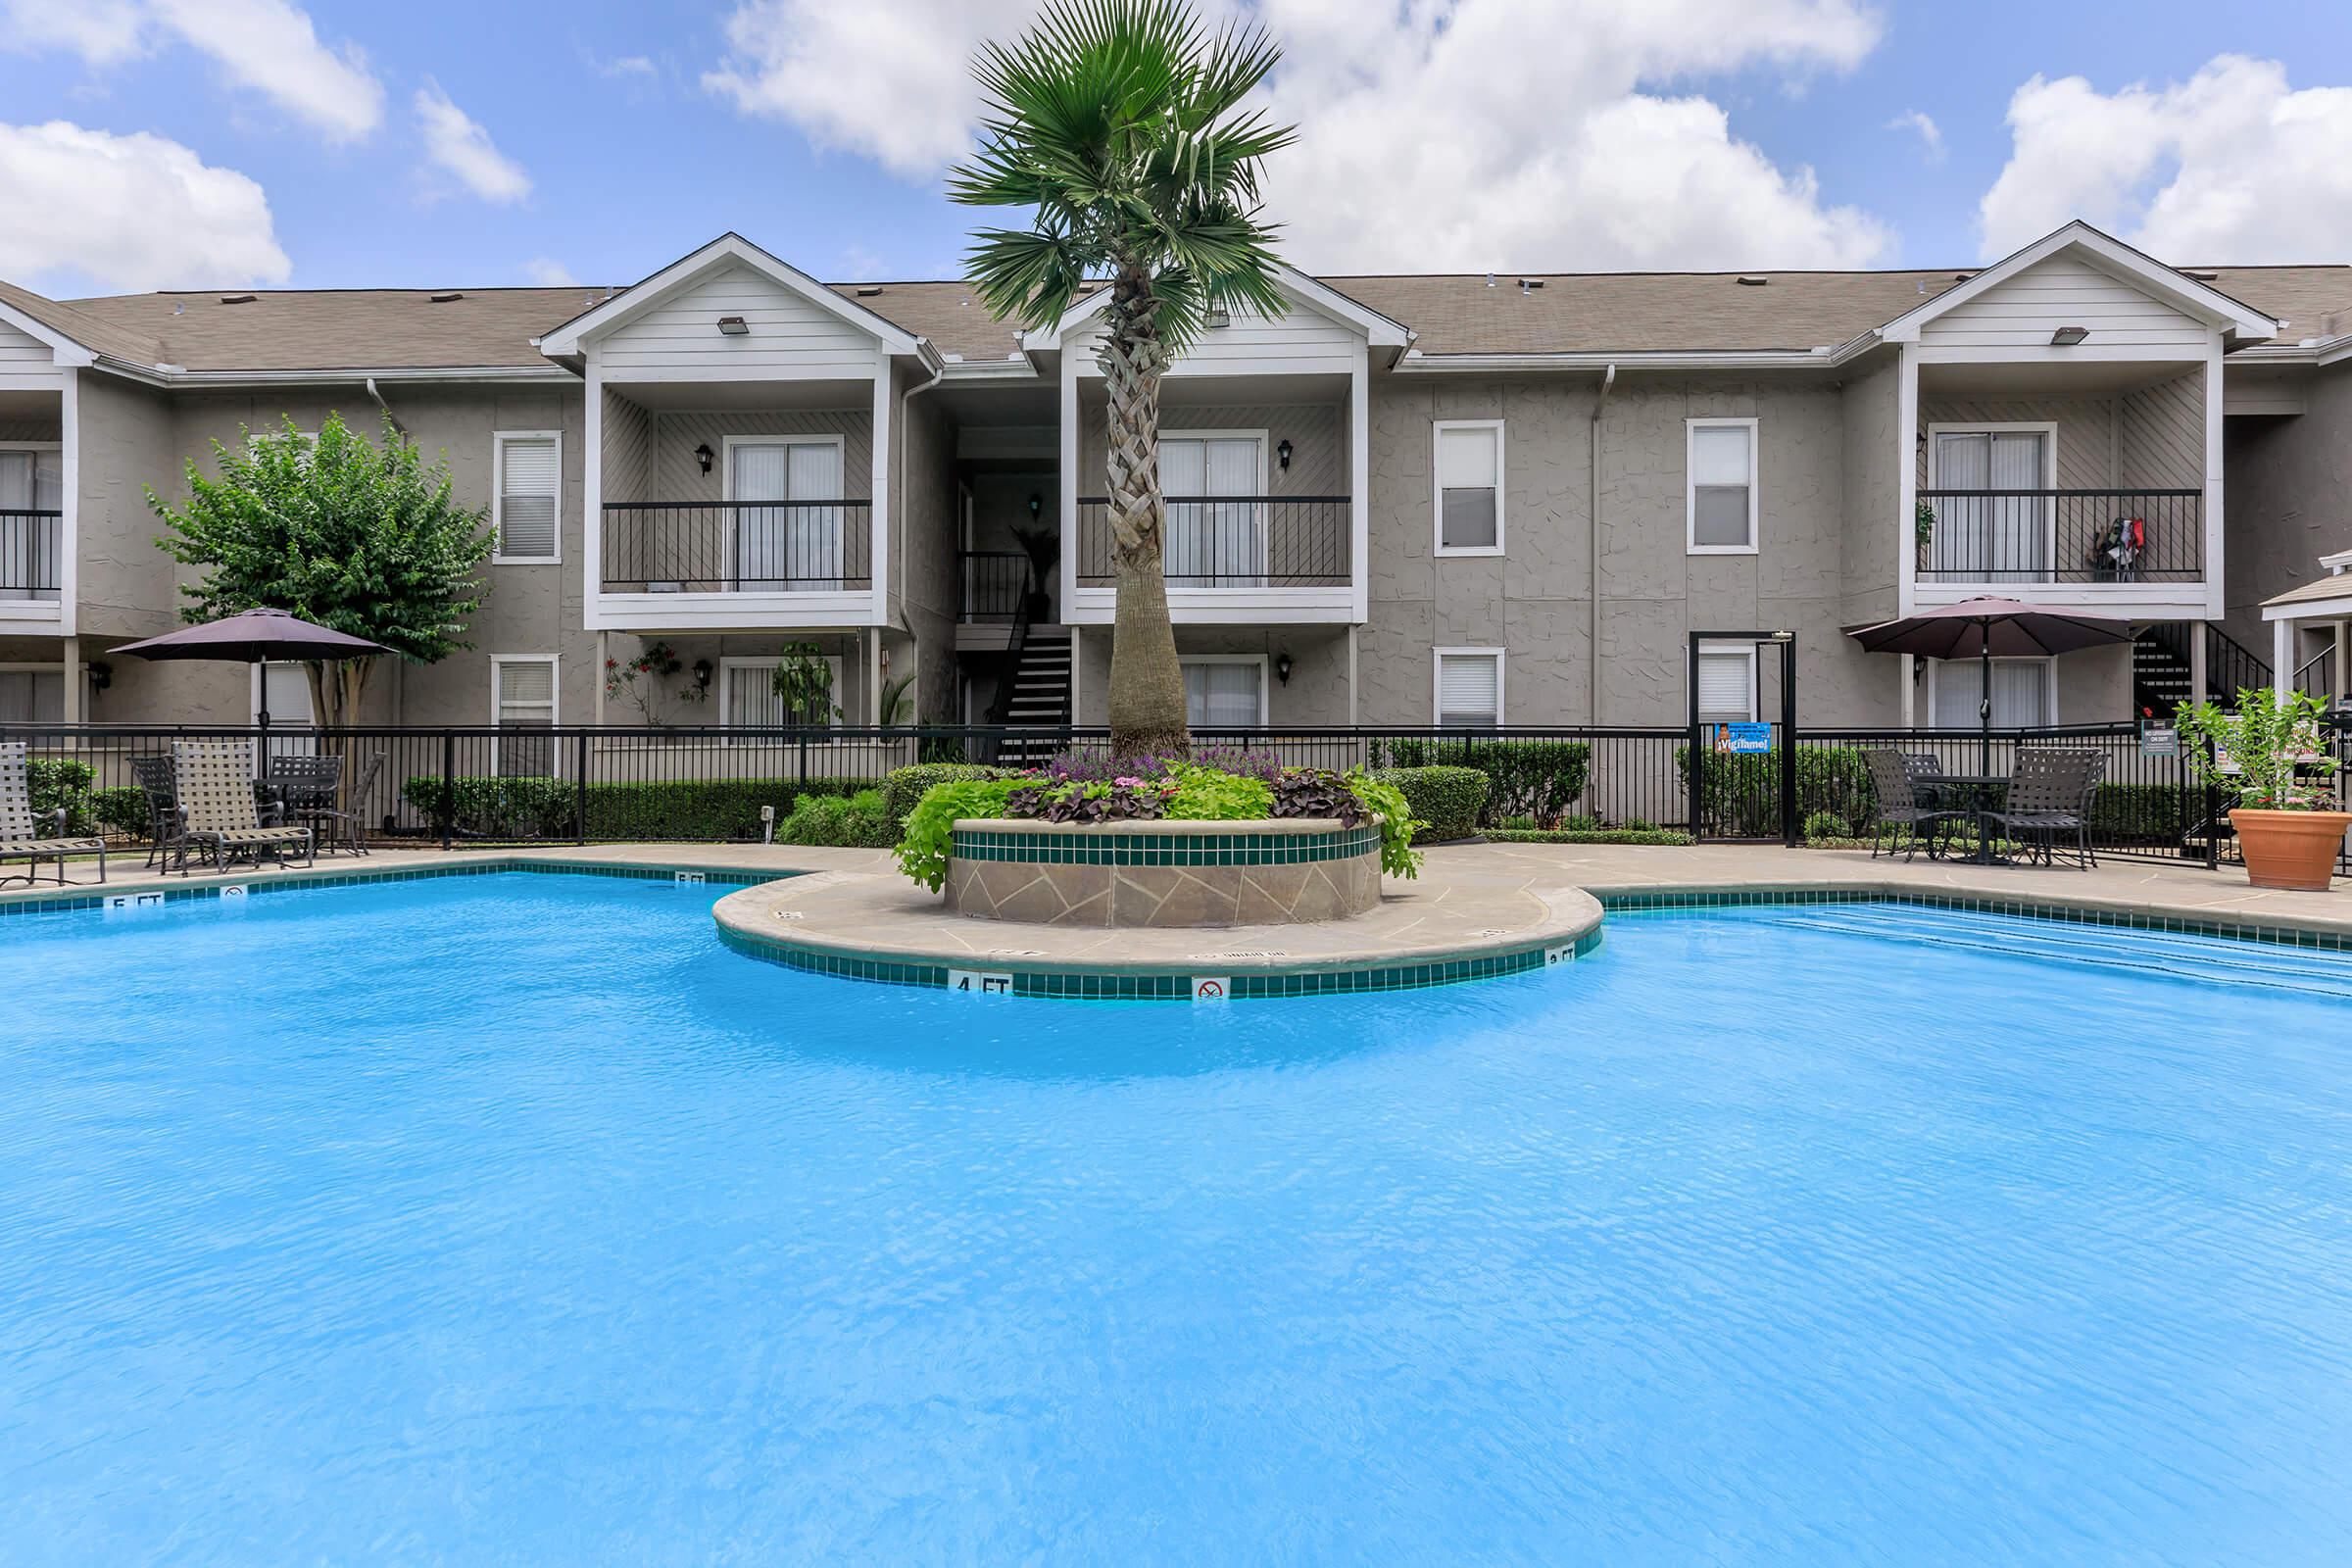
x=1742, y=766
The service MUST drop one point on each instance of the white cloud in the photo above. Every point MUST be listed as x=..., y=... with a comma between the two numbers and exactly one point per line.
x=629, y=66
x=1930, y=135
x=457, y=144
x=2229, y=166
x=548, y=274
x=267, y=45
x=1435, y=133
x=130, y=211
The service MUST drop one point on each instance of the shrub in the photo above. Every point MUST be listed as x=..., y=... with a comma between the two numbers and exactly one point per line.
x=1398, y=824
x=1538, y=779
x=725, y=809
x=930, y=835
x=1449, y=801
x=121, y=810
x=860, y=821
x=902, y=787
x=55, y=783
x=1744, y=789
x=1206, y=795
x=1827, y=825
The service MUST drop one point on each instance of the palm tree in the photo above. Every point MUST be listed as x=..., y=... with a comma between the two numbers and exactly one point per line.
x=1119, y=123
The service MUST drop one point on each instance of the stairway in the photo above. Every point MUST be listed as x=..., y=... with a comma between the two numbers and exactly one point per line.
x=1037, y=693
x=2160, y=667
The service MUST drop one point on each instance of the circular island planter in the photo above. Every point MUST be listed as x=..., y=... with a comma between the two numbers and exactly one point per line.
x=1164, y=874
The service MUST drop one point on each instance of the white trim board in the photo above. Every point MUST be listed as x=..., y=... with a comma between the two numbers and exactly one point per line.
x=1436, y=680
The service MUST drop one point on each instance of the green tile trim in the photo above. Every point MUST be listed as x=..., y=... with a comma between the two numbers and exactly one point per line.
x=1633, y=900
x=1166, y=849
x=261, y=882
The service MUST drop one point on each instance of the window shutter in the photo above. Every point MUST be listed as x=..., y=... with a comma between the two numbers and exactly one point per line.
x=526, y=500
x=1726, y=693
x=1469, y=689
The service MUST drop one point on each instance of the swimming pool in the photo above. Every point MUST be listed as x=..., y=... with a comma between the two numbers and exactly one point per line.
x=512, y=1217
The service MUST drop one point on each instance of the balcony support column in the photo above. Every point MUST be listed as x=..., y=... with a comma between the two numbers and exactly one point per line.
x=2283, y=657
x=74, y=680
x=601, y=643
x=2200, y=635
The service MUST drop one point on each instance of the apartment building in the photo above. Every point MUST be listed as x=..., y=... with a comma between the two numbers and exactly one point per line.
x=1405, y=500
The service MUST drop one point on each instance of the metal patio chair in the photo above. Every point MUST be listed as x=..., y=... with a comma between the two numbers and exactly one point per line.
x=343, y=827
x=153, y=775
x=2050, y=793
x=1899, y=813
x=213, y=785
x=21, y=830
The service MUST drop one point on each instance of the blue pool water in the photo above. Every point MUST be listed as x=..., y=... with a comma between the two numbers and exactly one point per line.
x=511, y=1219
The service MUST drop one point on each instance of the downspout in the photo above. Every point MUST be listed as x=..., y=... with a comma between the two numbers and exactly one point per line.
x=386, y=406
x=898, y=501
x=1608, y=380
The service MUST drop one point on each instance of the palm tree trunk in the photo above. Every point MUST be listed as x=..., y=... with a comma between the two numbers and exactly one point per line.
x=1147, y=683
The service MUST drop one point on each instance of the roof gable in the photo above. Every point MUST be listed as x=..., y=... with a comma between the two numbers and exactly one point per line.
x=728, y=250
x=1375, y=329
x=2109, y=256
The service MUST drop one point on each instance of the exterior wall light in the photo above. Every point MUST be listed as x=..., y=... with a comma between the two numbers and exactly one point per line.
x=734, y=326
x=1282, y=454
x=1282, y=669
x=702, y=455
x=1218, y=319
x=2065, y=337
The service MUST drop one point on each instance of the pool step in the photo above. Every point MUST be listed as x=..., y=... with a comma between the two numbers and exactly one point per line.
x=2187, y=957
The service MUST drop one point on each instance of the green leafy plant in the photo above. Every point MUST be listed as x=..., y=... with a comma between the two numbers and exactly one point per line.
x=860, y=821
x=1206, y=795
x=2272, y=740
x=654, y=663
x=717, y=810
x=1821, y=825
x=1398, y=824
x=803, y=682
x=930, y=836
x=349, y=533
x=1449, y=801
x=903, y=787
x=1540, y=780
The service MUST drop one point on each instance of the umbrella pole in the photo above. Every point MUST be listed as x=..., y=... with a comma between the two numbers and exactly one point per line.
x=1985, y=699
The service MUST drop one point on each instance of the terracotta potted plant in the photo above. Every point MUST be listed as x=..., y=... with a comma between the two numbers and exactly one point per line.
x=2271, y=756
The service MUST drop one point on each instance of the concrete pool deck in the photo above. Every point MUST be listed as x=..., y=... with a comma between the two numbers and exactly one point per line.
x=1472, y=902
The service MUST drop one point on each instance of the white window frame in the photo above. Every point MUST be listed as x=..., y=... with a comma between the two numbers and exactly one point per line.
x=35, y=667
x=1755, y=494
x=555, y=702
x=58, y=447
x=2048, y=431
x=1437, y=487
x=2049, y=674
x=731, y=663
x=1746, y=651
x=733, y=557
x=1436, y=680
x=1265, y=675
x=1265, y=481
x=253, y=702
x=498, y=498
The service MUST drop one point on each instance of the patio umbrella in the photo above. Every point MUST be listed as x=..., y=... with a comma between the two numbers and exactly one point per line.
x=1991, y=628
x=256, y=637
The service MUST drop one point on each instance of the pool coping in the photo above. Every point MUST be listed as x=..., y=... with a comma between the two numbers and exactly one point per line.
x=1573, y=917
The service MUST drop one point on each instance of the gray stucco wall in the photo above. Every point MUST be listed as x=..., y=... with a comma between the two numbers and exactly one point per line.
x=1314, y=696
x=2288, y=501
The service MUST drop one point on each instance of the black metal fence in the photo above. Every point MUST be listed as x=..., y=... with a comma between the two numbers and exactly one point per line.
x=1232, y=542
x=30, y=552
x=994, y=583
x=575, y=783
x=738, y=546
x=2029, y=536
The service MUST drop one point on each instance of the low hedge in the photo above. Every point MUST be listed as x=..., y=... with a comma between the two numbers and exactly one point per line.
x=1449, y=801
x=1585, y=835
x=1744, y=789
x=1541, y=779
x=724, y=809
x=903, y=787
x=858, y=821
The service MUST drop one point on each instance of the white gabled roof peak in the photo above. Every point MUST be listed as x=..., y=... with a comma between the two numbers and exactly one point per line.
x=728, y=249
x=2109, y=255
x=1378, y=331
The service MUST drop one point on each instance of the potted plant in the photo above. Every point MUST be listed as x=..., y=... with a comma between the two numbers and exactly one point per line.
x=2287, y=823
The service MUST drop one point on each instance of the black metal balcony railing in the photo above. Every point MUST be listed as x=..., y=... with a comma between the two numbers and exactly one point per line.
x=731, y=547
x=1232, y=542
x=30, y=545
x=2061, y=536
x=994, y=583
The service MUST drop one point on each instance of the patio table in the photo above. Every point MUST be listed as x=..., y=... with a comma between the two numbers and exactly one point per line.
x=1983, y=792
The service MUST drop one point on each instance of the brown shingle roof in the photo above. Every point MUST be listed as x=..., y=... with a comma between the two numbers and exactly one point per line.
x=1625, y=312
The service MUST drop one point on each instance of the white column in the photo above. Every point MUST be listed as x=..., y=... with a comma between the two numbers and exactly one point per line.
x=592, y=518
x=601, y=639
x=2283, y=657
x=873, y=674
x=1070, y=510
x=1352, y=720
x=1360, y=486
x=2215, y=605
x=880, y=511
x=1077, y=661
x=69, y=555
x=74, y=681
x=2199, y=638
x=2343, y=663
x=1906, y=470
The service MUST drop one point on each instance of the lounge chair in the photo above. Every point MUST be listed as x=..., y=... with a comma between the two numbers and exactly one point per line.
x=20, y=835
x=2050, y=794
x=343, y=827
x=1899, y=813
x=214, y=784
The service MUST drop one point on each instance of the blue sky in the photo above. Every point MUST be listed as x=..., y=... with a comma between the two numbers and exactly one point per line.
x=193, y=143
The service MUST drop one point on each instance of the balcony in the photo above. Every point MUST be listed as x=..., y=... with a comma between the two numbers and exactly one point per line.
x=32, y=558
x=995, y=584
x=738, y=547
x=1232, y=542
x=2018, y=538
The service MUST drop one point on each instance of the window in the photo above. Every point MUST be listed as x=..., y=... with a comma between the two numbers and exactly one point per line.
x=1469, y=688
x=1998, y=534
x=1216, y=534
x=747, y=699
x=522, y=696
x=1469, y=487
x=1722, y=504
x=1727, y=685
x=530, y=464
x=1225, y=690
x=2023, y=693
x=284, y=690
x=797, y=546
x=33, y=694
x=31, y=480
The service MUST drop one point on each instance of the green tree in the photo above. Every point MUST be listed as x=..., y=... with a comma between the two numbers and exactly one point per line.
x=353, y=535
x=1120, y=124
